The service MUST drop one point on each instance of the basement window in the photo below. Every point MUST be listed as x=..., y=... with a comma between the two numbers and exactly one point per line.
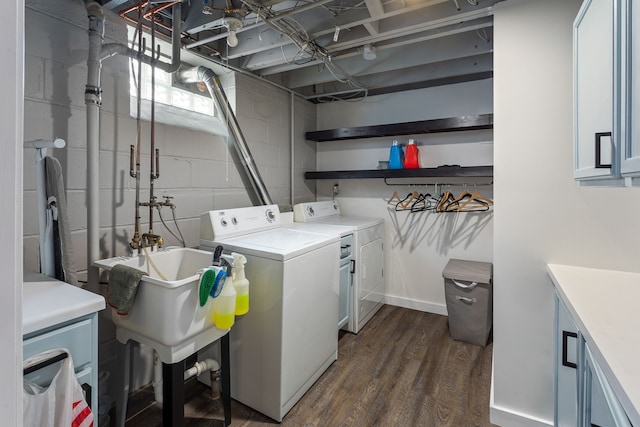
x=184, y=105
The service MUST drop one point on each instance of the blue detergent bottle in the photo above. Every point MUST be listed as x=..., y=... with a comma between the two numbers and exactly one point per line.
x=396, y=156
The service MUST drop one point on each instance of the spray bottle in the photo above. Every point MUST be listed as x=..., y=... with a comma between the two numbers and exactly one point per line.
x=224, y=306
x=241, y=284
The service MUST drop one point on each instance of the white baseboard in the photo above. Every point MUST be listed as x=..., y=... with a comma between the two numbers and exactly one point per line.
x=425, y=306
x=509, y=418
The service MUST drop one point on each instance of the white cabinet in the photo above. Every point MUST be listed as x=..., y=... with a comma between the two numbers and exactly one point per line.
x=596, y=36
x=582, y=393
x=80, y=337
x=58, y=315
x=606, y=56
x=630, y=164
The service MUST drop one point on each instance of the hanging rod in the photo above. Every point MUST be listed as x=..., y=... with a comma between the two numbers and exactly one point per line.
x=446, y=184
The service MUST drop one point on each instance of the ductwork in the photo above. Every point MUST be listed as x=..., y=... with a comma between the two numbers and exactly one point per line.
x=208, y=77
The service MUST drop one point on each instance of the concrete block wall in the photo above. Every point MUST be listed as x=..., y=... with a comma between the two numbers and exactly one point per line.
x=264, y=112
x=196, y=168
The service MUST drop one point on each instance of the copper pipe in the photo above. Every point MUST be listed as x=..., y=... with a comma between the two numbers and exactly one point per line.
x=134, y=7
x=145, y=26
x=148, y=28
x=158, y=9
x=149, y=13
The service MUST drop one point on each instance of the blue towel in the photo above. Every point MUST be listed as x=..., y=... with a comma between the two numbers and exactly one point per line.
x=123, y=286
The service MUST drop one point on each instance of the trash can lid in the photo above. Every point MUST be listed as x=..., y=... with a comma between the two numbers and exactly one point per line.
x=471, y=271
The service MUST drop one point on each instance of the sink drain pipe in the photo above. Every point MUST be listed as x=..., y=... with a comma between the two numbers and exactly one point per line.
x=209, y=78
x=198, y=368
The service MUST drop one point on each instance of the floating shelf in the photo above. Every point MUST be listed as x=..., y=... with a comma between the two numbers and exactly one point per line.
x=451, y=124
x=439, y=172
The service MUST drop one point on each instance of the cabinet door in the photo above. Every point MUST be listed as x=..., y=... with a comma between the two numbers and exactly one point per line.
x=565, y=368
x=344, y=300
x=601, y=406
x=596, y=89
x=630, y=165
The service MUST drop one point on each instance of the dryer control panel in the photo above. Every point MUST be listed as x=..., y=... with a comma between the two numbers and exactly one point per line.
x=224, y=223
x=304, y=212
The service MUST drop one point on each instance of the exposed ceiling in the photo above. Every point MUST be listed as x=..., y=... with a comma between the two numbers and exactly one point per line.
x=317, y=48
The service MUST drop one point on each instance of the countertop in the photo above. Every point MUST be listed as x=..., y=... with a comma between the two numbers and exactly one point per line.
x=47, y=302
x=605, y=306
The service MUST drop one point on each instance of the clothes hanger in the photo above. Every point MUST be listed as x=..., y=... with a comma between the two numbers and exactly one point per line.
x=404, y=203
x=477, y=198
x=454, y=204
x=446, y=198
x=395, y=197
x=476, y=205
x=420, y=203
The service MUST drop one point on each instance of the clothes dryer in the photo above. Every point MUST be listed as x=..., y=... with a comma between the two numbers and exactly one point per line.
x=367, y=291
x=289, y=336
x=347, y=264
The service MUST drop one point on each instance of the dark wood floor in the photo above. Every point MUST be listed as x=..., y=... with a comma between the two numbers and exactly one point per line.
x=402, y=369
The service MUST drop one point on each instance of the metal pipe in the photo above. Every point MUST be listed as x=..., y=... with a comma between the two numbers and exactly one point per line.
x=111, y=49
x=93, y=99
x=208, y=77
x=292, y=162
x=135, y=241
x=152, y=176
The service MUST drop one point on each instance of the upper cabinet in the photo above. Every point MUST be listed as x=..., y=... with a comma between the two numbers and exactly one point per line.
x=606, y=93
x=631, y=43
x=596, y=89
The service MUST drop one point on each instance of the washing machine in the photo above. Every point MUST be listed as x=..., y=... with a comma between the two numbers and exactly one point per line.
x=289, y=337
x=367, y=291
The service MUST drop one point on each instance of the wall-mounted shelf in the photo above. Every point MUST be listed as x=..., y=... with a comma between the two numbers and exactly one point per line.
x=439, y=172
x=451, y=124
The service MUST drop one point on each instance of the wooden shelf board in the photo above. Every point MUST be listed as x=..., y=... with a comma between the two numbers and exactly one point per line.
x=439, y=172
x=451, y=124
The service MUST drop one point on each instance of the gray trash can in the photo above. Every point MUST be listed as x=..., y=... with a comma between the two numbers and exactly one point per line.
x=469, y=295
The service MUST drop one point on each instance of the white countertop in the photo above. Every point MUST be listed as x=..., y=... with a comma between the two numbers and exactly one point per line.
x=47, y=302
x=605, y=305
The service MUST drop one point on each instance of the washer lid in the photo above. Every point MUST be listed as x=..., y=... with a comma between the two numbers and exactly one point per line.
x=356, y=222
x=278, y=244
x=320, y=227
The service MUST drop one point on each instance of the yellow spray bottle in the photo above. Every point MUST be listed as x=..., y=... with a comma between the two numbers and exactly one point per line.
x=224, y=306
x=241, y=284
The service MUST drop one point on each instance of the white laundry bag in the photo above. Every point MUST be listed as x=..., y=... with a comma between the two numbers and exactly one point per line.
x=62, y=403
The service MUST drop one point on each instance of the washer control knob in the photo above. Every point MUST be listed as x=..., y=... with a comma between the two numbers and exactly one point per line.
x=234, y=220
x=311, y=211
x=223, y=222
x=335, y=206
x=271, y=216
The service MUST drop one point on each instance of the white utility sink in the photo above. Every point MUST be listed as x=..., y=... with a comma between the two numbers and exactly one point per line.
x=167, y=312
